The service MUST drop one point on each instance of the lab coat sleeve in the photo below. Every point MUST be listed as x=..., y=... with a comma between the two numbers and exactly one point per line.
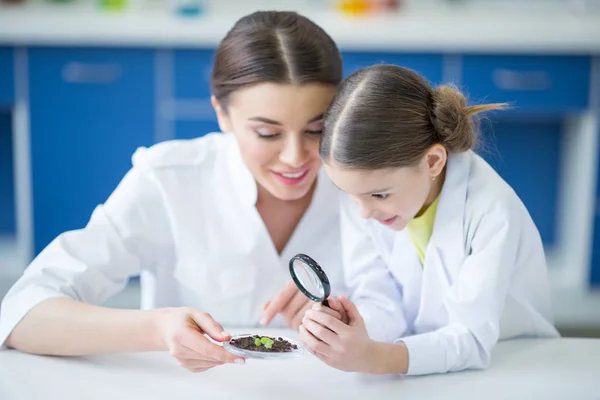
x=372, y=288
x=474, y=302
x=125, y=235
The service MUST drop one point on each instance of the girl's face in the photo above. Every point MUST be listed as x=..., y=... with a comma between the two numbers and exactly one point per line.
x=278, y=128
x=393, y=196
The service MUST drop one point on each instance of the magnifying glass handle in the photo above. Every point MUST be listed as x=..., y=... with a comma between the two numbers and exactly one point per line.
x=325, y=303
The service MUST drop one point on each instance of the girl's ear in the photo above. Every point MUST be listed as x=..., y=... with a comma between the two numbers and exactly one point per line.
x=435, y=159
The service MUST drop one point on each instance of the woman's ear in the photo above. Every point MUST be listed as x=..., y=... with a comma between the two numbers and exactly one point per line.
x=435, y=159
x=222, y=118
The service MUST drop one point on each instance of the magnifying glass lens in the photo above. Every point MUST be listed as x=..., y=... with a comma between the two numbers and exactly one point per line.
x=310, y=278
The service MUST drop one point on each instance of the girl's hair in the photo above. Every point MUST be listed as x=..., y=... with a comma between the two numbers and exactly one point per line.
x=278, y=47
x=386, y=116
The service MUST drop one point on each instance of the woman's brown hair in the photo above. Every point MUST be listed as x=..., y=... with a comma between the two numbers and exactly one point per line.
x=277, y=47
x=386, y=116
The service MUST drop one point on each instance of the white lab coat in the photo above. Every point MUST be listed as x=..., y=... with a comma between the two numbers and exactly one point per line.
x=183, y=217
x=484, y=277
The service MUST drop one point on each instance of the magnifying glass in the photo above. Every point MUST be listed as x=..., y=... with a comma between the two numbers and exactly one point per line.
x=310, y=278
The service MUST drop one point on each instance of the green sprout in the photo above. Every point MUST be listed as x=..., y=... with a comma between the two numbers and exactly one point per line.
x=267, y=342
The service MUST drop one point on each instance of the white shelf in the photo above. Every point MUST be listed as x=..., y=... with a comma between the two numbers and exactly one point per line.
x=436, y=29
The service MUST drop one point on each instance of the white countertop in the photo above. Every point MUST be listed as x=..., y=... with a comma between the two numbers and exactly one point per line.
x=521, y=369
x=427, y=29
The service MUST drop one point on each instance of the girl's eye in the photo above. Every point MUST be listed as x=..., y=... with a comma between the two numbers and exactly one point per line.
x=381, y=196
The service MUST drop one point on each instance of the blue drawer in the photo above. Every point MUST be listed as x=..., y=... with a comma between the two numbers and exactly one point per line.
x=428, y=65
x=7, y=77
x=530, y=83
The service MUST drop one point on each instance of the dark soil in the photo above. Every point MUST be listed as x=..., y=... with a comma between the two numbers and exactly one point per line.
x=280, y=345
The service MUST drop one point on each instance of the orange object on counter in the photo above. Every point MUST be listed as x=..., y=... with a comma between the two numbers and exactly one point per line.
x=354, y=7
x=362, y=7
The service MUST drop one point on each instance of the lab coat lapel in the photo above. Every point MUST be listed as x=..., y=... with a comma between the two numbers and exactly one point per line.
x=244, y=184
x=446, y=250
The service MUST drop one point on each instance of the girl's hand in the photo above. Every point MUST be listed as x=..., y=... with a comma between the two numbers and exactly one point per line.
x=182, y=331
x=335, y=309
x=343, y=346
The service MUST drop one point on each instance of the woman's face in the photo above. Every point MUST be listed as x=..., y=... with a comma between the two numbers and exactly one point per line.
x=278, y=128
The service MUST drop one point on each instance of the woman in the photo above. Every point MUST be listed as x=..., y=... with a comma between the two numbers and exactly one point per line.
x=449, y=260
x=210, y=224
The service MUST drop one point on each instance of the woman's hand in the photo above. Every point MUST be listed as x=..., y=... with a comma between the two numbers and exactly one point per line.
x=291, y=303
x=182, y=331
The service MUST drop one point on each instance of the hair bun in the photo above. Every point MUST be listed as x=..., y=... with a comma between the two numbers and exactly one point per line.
x=451, y=119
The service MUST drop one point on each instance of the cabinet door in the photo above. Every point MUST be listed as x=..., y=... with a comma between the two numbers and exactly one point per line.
x=192, y=113
x=527, y=155
x=90, y=109
x=7, y=186
x=7, y=77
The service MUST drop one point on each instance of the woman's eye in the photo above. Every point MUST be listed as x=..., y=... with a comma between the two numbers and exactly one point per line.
x=380, y=196
x=315, y=128
x=266, y=135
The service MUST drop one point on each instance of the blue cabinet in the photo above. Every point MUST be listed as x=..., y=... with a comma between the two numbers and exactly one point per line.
x=7, y=183
x=89, y=110
x=193, y=114
x=429, y=65
x=7, y=87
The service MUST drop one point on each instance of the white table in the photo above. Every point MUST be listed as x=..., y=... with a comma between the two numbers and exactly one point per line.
x=523, y=369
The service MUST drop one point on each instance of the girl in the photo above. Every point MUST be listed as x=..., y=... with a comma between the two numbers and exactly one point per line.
x=447, y=260
x=203, y=221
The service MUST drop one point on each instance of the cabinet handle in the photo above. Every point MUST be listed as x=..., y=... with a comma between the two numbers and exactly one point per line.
x=510, y=80
x=188, y=110
x=77, y=72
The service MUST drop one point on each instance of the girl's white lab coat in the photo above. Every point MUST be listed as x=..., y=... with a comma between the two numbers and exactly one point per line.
x=484, y=277
x=184, y=217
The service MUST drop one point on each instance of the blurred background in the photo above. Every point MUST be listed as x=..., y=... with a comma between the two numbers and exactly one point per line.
x=85, y=82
